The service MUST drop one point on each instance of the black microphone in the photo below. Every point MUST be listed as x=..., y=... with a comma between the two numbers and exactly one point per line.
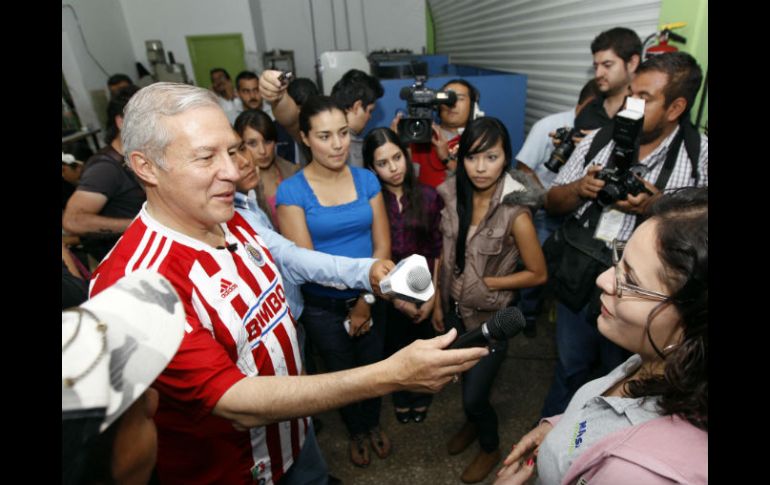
x=230, y=247
x=503, y=325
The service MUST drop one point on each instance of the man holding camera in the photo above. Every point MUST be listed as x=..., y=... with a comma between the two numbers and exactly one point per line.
x=673, y=155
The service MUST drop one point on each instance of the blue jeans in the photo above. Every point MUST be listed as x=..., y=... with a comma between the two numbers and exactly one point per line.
x=323, y=321
x=582, y=350
x=309, y=466
x=530, y=301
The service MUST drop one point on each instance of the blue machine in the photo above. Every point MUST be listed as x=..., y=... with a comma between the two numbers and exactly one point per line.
x=503, y=95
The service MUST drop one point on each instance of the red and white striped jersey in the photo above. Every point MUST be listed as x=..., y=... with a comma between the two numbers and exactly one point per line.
x=238, y=325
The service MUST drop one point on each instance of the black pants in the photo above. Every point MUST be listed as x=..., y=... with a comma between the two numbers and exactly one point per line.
x=477, y=384
x=400, y=332
x=323, y=321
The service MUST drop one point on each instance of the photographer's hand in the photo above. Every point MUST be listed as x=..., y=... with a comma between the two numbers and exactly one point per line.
x=577, y=139
x=441, y=143
x=394, y=123
x=637, y=204
x=589, y=186
x=270, y=86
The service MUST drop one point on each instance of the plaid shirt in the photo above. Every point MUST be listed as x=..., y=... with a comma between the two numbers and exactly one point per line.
x=681, y=176
x=404, y=239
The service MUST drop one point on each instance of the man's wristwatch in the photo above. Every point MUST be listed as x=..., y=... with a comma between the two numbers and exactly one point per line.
x=368, y=298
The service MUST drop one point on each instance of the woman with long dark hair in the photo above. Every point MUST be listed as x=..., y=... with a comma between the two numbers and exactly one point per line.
x=414, y=213
x=487, y=229
x=647, y=420
x=259, y=136
x=338, y=209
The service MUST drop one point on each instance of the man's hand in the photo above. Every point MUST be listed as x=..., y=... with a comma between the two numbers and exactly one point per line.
x=394, y=123
x=423, y=366
x=441, y=143
x=637, y=204
x=270, y=86
x=377, y=272
x=589, y=186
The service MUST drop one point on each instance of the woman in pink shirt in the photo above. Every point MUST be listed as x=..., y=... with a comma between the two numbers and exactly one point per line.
x=654, y=303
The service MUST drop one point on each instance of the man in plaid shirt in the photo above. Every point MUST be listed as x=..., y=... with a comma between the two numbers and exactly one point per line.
x=668, y=84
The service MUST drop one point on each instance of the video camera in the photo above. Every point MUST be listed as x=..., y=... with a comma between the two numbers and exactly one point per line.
x=421, y=100
x=621, y=180
x=562, y=152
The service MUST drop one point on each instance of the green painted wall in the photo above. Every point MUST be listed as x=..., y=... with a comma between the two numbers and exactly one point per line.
x=430, y=44
x=696, y=14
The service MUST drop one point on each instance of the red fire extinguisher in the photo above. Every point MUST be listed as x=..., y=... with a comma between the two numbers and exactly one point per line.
x=663, y=37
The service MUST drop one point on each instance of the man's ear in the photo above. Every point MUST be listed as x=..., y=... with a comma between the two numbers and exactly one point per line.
x=633, y=63
x=675, y=109
x=119, y=122
x=357, y=106
x=144, y=168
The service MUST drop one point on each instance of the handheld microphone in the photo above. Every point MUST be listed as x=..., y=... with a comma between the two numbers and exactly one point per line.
x=230, y=247
x=409, y=280
x=504, y=324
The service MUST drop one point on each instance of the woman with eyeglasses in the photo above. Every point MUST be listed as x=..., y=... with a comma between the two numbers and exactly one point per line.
x=647, y=420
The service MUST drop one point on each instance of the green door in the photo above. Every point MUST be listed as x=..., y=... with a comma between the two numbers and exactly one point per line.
x=210, y=51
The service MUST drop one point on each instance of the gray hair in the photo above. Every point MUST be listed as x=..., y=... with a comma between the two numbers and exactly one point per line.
x=143, y=129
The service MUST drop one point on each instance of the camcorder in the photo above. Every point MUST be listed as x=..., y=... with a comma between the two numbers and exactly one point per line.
x=421, y=101
x=620, y=178
x=562, y=152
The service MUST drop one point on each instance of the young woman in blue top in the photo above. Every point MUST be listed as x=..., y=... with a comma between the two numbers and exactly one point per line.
x=414, y=213
x=334, y=208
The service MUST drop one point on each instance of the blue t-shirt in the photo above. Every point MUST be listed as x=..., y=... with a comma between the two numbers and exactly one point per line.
x=343, y=230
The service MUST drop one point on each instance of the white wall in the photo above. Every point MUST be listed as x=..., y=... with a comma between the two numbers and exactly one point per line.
x=106, y=36
x=116, y=31
x=389, y=24
x=170, y=21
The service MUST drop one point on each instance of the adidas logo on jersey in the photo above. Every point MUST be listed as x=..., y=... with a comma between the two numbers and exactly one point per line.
x=226, y=287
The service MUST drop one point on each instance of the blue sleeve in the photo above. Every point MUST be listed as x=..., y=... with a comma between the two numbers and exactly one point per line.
x=256, y=219
x=371, y=185
x=291, y=192
x=300, y=265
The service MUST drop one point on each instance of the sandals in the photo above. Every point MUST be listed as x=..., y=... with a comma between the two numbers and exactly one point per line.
x=359, y=452
x=380, y=442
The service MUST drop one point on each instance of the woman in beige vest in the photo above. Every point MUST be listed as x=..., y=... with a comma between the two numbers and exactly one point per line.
x=487, y=228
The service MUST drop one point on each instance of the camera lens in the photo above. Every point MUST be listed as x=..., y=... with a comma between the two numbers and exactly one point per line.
x=609, y=194
x=418, y=130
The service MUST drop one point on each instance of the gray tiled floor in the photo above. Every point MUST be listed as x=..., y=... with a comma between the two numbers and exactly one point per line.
x=419, y=450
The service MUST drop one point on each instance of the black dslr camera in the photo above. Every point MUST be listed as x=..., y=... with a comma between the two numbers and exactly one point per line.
x=421, y=100
x=562, y=152
x=621, y=180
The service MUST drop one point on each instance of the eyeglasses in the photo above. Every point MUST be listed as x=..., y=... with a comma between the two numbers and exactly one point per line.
x=621, y=286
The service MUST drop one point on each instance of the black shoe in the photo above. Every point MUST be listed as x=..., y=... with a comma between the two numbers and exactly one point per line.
x=334, y=480
x=403, y=417
x=419, y=416
x=530, y=329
